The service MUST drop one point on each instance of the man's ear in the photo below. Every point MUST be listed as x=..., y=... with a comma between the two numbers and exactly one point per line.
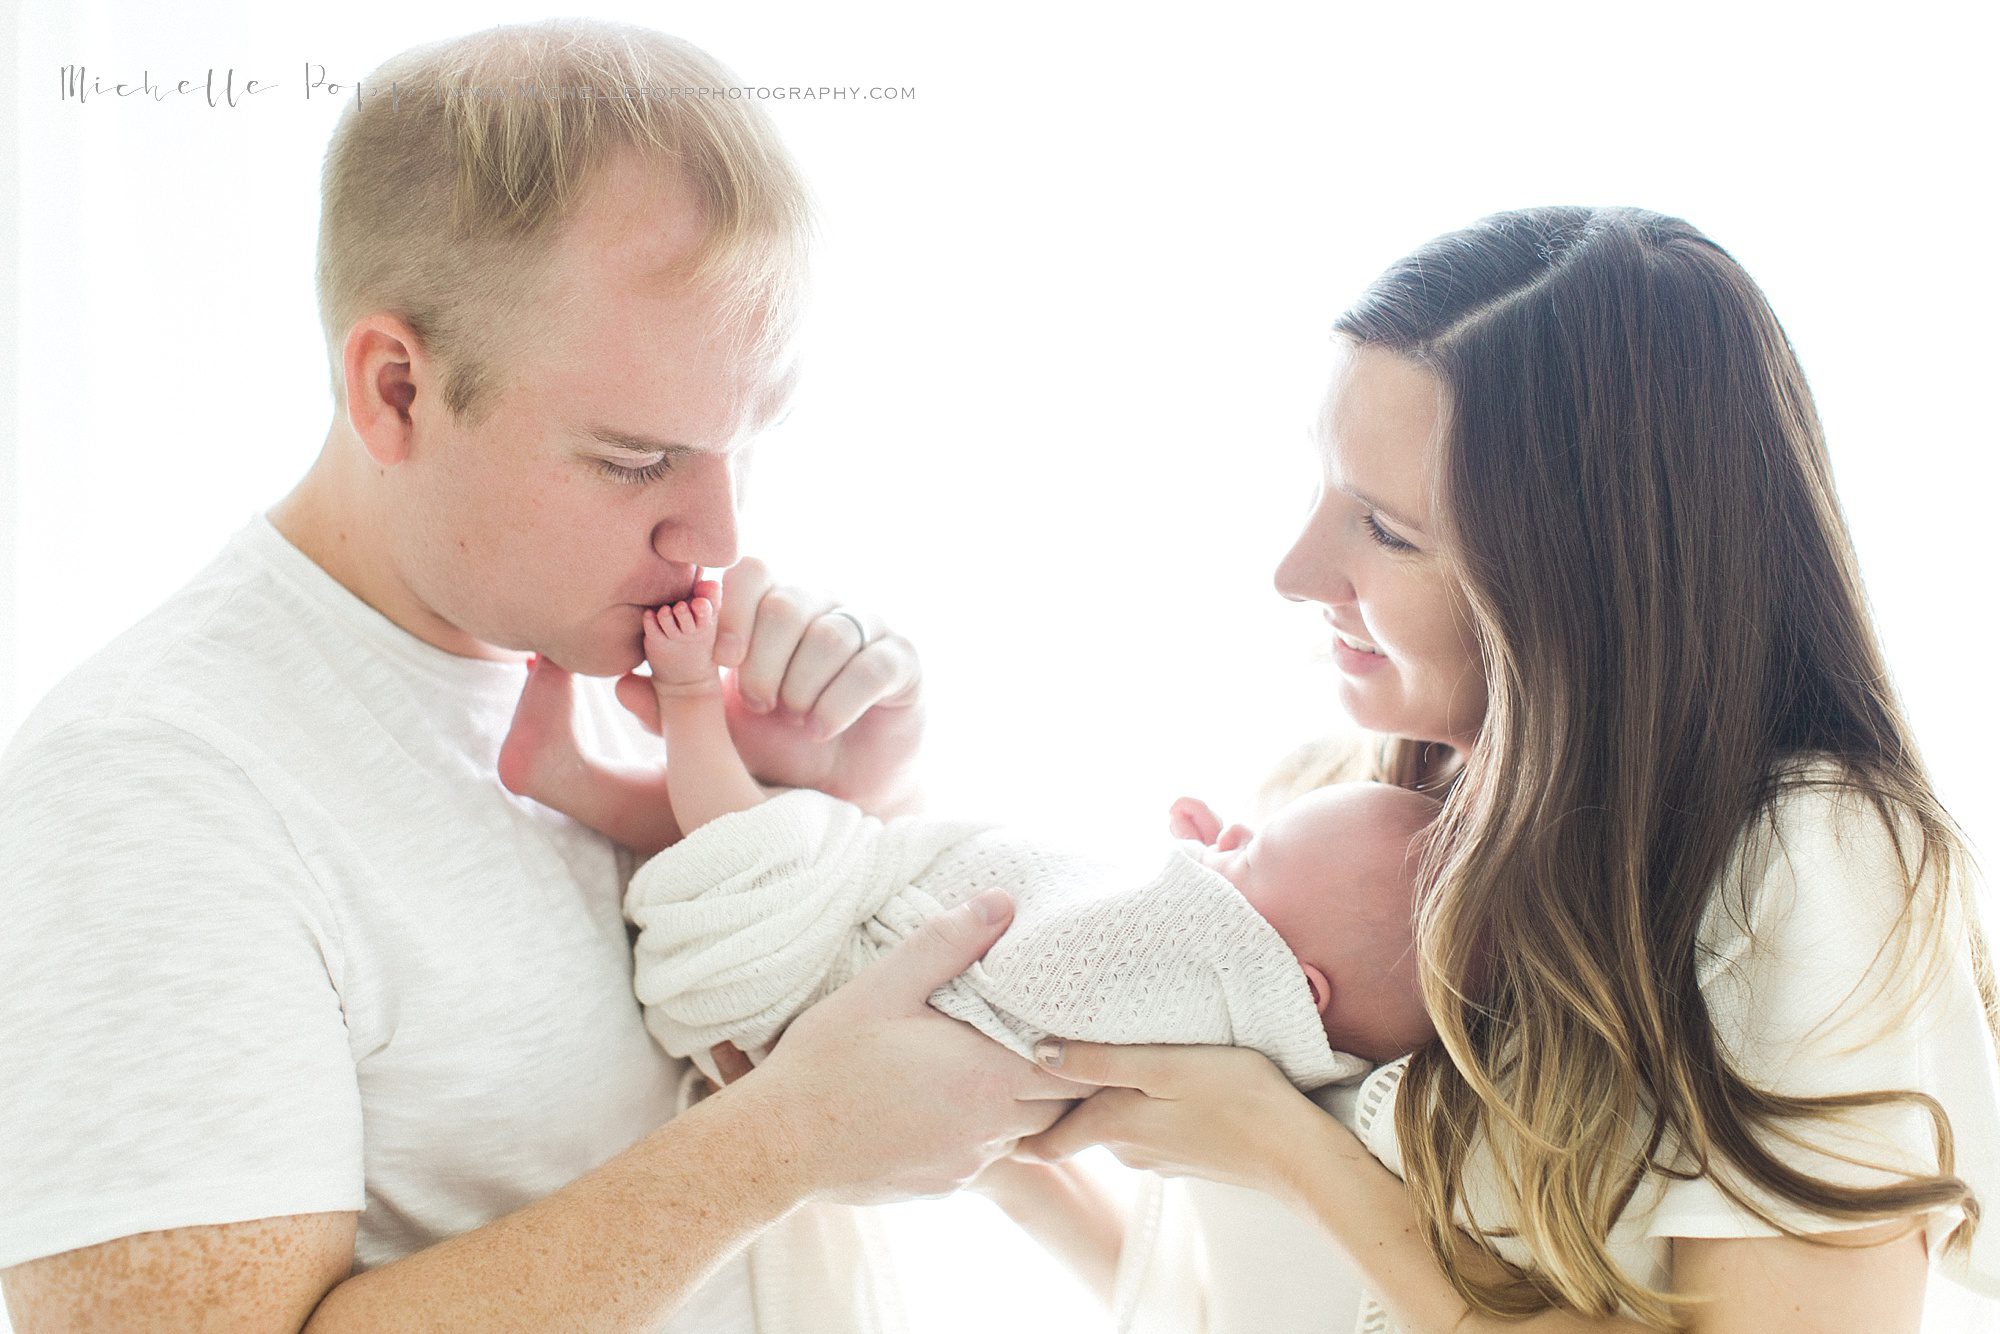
x=1321, y=988
x=382, y=362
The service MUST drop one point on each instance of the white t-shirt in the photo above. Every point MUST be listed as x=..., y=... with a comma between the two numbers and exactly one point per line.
x=278, y=942
x=1804, y=998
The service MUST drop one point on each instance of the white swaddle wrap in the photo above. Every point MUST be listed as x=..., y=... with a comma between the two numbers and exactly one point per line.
x=754, y=916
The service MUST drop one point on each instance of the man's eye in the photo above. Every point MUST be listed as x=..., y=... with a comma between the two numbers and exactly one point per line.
x=618, y=472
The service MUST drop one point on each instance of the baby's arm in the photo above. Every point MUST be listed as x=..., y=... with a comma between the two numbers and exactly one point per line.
x=706, y=777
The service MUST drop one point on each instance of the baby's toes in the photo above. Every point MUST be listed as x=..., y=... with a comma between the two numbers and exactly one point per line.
x=659, y=630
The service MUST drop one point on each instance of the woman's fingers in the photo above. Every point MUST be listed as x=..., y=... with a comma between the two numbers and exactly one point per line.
x=1154, y=1071
x=730, y=1062
x=1225, y=1113
x=1102, y=1118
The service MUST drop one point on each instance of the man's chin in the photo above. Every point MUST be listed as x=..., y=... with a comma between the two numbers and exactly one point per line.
x=598, y=660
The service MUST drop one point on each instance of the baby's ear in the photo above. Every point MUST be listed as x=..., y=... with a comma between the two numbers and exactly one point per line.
x=1321, y=988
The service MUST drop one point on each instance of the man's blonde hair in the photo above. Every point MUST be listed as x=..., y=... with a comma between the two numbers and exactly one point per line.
x=448, y=180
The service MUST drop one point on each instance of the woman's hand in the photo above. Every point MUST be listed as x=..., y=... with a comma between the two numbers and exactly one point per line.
x=1223, y=1113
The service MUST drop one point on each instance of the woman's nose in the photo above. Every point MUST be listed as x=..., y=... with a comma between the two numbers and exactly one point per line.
x=1313, y=571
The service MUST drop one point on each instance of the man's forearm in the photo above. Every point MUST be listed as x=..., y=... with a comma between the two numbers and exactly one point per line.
x=620, y=1248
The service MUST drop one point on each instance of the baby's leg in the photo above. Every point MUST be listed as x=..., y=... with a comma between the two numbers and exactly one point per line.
x=706, y=778
x=540, y=759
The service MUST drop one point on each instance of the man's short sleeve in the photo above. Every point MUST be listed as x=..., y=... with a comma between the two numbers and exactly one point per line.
x=172, y=1047
x=1820, y=982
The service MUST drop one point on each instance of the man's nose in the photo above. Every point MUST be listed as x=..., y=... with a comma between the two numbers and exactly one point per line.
x=701, y=527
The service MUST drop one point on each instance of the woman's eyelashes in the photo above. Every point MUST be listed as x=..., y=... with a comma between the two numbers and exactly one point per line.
x=1382, y=536
x=619, y=472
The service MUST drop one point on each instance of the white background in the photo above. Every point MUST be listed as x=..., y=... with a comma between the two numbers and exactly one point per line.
x=1070, y=320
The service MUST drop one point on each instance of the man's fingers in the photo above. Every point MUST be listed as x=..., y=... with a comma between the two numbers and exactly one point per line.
x=778, y=637
x=828, y=644
x=743, y=587
x=884, y=673
x=942, y=948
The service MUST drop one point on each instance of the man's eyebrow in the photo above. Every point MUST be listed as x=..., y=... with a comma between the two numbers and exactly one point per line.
x=636, y=443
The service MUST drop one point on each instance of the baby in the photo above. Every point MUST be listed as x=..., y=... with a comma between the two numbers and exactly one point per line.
x=1295, y=939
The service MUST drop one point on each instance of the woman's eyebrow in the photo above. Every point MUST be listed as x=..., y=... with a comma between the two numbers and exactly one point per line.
x=1379, y=508
x=1318, y=440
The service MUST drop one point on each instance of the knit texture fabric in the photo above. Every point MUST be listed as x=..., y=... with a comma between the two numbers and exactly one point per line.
x=754, y=916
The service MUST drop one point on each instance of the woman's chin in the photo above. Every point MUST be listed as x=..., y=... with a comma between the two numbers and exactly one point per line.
x=1363, y=703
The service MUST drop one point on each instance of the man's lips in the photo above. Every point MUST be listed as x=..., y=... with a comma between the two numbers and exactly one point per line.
x=661, y=595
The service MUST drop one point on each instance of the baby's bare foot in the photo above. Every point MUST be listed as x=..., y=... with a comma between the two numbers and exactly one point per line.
x=680, y=643
x=540, y=751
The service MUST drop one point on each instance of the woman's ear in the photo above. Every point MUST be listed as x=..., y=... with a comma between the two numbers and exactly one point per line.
x=1321, y=988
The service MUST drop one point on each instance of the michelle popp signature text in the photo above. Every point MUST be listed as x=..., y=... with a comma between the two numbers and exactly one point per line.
x=225, y=87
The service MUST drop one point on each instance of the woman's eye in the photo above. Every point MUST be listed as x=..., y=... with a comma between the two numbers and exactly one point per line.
x=618, y=472
x=1383, y=536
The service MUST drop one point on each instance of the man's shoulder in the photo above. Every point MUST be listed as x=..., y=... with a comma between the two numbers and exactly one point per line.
x=204, y=654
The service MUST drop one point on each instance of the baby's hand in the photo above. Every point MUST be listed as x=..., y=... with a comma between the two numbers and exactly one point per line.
x=1191, y=818
x=680, y=643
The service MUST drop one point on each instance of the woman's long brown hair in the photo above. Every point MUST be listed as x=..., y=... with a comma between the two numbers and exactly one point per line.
x=1636, y=495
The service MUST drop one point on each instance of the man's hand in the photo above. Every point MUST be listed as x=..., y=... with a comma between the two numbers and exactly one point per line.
x=819, y=696
x=874, y=1096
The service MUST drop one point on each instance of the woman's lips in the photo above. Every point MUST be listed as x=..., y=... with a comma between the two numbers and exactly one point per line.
x=1355, y=654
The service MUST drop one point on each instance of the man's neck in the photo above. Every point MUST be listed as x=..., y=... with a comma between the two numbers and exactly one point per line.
x=328, y=517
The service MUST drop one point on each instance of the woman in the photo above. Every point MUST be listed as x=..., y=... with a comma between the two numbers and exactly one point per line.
x=1697, y=936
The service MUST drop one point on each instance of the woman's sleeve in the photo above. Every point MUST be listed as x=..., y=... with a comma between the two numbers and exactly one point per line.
x=1823, y=975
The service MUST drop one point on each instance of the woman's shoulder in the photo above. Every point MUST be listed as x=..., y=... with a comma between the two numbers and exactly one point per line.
x=1825, y=853
x=1837, y=916
x=1838, y=958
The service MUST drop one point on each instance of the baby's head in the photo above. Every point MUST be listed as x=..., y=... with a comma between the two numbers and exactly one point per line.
x=1334, y=872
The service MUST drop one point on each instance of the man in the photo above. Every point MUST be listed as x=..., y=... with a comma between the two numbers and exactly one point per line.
x=308, y=1020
